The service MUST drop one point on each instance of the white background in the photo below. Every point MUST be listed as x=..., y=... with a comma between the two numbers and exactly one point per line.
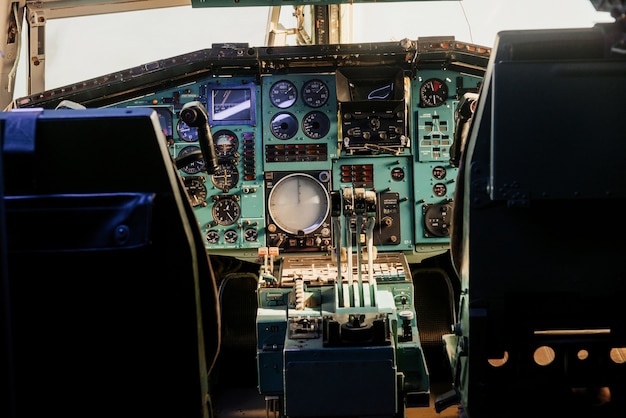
x=86, y=47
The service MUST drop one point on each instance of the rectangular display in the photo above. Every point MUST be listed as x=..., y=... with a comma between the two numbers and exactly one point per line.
x=232, y=106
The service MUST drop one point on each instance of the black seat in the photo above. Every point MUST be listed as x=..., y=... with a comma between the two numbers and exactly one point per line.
x=537, y=240
x=111, y=303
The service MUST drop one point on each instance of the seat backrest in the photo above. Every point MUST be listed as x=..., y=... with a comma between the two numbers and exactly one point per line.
x=541, y=250
x=111, y=301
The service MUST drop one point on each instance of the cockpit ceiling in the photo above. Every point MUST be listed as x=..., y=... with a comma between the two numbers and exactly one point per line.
x=72, y=8
x=54, y=9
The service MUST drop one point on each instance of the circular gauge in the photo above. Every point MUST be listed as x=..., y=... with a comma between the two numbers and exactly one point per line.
x=196, y=190
x=231, y=236
x=225, y=177
x=284, y=125
x=226, y=143
x=283, y=94
x=186, y=132
x=315, y=93
x=194, y=167
x=433, y=92
x=250, y=234
x=397, y=174
x=226, y=210
x=298, y=203
x=439, y=172
x=440, y=189
x=315, y=124
x=212, y=236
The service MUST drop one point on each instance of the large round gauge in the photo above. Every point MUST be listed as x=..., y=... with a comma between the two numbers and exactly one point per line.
x=193, y=167
x=298, y=203
x=196, y=190
x=433, y=92
x=225, y=177
x=186, y=132
x=315, y=93
x=226, y=143
x=284, y=125
x=315, y=124
x=226, y=210
x=283, y=94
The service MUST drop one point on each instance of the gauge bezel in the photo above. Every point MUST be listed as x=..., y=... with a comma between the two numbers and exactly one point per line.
x=296, y=217
x=308, y=124
x=233, y=142
x=185, y=132
x=219, y=204
x=280, y=132
x=315, y=99
x=430, y=98
x=194, y=167
x=277, y=94
x=225, y=177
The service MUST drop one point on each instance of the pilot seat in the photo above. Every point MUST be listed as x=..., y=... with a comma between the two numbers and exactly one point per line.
x=537, y=238
x=109, y=301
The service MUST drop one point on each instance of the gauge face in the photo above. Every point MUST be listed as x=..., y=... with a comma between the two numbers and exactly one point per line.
x=433, y=92
x=194, y=167
x=226, y=143
x=284, y=125
x=315, y=124
x=298, y=203
x=315, y=93
x=196, y=190
x=231, y=236
x=250, y=234
x=212, y=236
x=440, y=189
x=439, y=172
x=283, y=94
x=226, y=210
x=226, y=177
x=186, y=132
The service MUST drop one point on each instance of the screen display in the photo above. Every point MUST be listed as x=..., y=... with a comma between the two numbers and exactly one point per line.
x=232, y=106
x=371, y=90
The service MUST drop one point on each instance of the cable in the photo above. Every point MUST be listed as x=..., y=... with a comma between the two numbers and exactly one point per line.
x=469, y=26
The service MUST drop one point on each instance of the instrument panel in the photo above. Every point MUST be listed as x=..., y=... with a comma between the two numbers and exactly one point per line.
x=291, y=125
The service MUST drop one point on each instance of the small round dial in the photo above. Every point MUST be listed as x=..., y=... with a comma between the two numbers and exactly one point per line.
x=315, y=93
x=226, y=177
x=440, y=189
x=231, y=236
x=226, y=143
x=196, y=190
x=194, y=167
x=186, y=132
x=284, y=125
x=298, y=203
x=226, y=210
x=433, y=92
x=250, y=234
x=315, y=124
x=439, y=172
x=212, y=236
x=283, y=94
